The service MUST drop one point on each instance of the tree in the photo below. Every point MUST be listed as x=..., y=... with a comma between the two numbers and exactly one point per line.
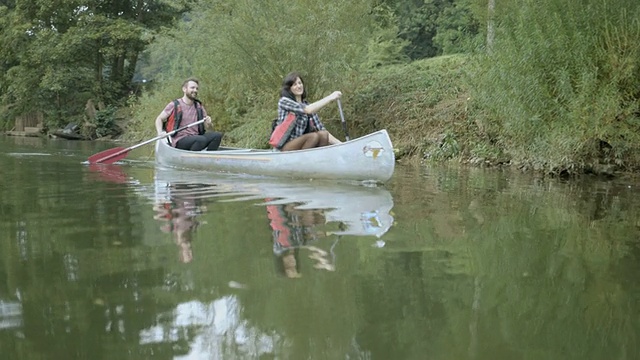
x=66, y=52
x=434, y=27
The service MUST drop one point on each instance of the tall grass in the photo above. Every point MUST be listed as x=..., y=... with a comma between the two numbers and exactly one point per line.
x=560, y=89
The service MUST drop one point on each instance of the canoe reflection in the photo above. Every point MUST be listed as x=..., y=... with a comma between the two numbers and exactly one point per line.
x=10, y=315
x=299, y=211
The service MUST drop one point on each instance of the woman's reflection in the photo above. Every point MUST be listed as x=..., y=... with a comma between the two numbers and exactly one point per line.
x=293, y=230
x=178, y=212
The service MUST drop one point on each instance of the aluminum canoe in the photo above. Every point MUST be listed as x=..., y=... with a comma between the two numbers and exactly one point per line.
x=367, y=158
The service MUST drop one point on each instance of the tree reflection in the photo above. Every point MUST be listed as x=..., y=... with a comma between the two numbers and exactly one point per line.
x=512, y=267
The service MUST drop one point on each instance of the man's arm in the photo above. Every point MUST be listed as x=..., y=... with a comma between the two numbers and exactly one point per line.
x=159, y=121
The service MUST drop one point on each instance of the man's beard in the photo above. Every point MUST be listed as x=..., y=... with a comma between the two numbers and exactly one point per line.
x=192, y=96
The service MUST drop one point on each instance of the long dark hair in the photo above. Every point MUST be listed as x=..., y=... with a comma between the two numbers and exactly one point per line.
x=288, y=82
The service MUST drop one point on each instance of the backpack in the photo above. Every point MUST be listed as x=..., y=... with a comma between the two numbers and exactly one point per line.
x=280, y=133
x=173, y=122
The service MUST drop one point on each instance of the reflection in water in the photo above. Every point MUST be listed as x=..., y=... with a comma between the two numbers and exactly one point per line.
x=293, y=230
x=10, y=315
x=358, y=210
x=297, y=212
x=482, y=265
x=301, y=216
x=177, y=207
x=223, y=331
x=109, y=172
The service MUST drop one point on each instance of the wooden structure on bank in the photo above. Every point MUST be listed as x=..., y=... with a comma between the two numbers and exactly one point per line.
x=28, y=125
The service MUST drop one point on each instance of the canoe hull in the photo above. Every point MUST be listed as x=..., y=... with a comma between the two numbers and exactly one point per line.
x=368, y=158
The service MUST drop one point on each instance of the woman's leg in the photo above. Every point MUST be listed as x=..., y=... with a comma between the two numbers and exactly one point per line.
x=333, y=140
x=305, y=141
x=323, y=137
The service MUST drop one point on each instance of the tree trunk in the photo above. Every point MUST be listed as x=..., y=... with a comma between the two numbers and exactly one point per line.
x=490, y=25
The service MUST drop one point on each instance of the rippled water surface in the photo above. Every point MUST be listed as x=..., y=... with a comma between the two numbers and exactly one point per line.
x=130, y=261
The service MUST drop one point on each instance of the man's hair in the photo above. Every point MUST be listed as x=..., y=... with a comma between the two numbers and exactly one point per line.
x=191, y=79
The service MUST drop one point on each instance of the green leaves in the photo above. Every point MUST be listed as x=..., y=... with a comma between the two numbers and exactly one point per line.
x=563, y=77
x=61, y=53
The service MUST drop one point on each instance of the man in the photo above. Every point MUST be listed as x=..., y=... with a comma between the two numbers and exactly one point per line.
x=182, y=112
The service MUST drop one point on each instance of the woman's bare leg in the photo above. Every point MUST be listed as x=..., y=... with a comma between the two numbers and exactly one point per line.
x=333, y=140
x=305, y=141
x=323, y=136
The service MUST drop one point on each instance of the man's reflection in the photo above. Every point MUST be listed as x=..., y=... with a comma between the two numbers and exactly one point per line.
x=178, y=212
x=293, y=230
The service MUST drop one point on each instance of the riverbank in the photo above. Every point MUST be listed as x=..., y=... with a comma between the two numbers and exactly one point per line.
x=436, y=110
x=429, y=109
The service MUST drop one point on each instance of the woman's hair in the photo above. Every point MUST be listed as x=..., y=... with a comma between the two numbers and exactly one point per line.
x=288, y=82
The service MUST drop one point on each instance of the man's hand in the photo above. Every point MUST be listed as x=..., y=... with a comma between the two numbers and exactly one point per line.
x=207, y=120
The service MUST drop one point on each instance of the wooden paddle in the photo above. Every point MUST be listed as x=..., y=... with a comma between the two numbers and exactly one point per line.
x=112, y=155
x=344, y=123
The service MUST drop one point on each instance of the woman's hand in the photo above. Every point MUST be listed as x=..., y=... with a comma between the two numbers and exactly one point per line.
x=336, y=95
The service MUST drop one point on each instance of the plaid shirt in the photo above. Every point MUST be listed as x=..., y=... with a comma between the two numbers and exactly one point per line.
x=287, y=105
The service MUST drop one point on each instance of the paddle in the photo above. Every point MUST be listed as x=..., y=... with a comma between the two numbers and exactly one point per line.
x=344, y=123
x=112, y=155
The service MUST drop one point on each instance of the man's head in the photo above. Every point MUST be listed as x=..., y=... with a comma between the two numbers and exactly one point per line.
x=190, y=88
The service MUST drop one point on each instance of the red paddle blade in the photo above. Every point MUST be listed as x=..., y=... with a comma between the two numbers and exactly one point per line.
x=109, y=156
x=110, y=173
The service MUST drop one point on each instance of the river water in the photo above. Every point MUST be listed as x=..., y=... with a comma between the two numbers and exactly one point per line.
x=134, y=262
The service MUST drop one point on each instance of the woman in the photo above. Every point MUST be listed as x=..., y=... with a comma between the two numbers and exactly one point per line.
x=308, y=131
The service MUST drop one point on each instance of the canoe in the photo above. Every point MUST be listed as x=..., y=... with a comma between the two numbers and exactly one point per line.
x=368, y=158
x=362, y=210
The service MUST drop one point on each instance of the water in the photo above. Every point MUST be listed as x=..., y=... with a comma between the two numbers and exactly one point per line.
x=134, y=262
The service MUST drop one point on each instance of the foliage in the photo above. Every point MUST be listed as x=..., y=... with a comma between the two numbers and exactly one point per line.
x=457, y=29
x=434, y=28
x=65, y=52
x=385, y=47
x=105, y=121
x=560, y=91
x=418, y=103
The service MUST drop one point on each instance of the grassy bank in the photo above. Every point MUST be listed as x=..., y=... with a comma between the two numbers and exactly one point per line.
x=431, y=114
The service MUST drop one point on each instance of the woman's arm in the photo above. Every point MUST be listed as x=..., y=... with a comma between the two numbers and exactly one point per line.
x=316, y=106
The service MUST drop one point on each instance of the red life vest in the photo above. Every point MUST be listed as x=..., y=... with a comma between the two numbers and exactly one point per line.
x=173, y=122
x=278, y=222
